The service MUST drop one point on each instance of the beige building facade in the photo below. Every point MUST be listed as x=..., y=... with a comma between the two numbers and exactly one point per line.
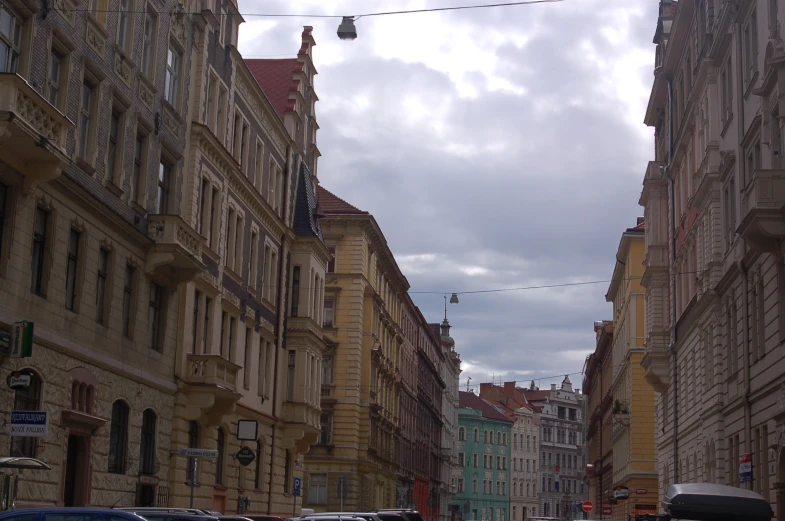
x=714, y=273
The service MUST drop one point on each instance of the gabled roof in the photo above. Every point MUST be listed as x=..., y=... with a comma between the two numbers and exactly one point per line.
x=305, y=222
x=276, y=78
x=472, y=401
x=331, y=204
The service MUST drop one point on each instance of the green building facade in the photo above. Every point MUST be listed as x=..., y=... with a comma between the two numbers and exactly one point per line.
x=483, y=474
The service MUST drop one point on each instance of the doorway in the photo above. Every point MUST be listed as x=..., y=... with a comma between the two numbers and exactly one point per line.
x=75, y=486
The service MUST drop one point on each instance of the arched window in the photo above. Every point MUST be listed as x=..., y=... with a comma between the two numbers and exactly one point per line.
x=193, y=443
x=527, y=490
x=476, y=435
x=27, y=400
x=258, y=470
x=515, y=440
x=118, y=438
x=147, y=443
x=219, y=462
x=461, y=434
x=485, y=436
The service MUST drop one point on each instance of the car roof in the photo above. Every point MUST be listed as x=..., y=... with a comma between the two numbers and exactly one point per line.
x=71, y=510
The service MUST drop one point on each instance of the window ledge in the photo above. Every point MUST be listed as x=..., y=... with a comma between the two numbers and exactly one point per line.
x=112, y=187
x=725, y=125
x=233, y=275
x=84, y=165
x=172, y=119
x=138, y=208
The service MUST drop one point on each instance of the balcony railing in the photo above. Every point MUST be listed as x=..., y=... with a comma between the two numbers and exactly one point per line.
x=763, y=222
x=177, y=252
x=213, y=370
x=32, y=132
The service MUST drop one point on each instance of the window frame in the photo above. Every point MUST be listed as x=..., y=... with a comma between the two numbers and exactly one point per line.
x=41, y=249
x=12, y=42
x=174, y=75
x=156, y=317
x=74, y=246
x=118, y=437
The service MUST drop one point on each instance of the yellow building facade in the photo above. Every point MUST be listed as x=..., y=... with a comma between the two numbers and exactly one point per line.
x=634, y=485
x=354, y=465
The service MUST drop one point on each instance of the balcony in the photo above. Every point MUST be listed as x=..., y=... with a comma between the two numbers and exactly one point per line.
x=763, y=222
x=210, y=388
x=32, y=133
x=177, y=252
x=446, y=453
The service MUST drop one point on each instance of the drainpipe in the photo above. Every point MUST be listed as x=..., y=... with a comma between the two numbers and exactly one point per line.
x=674, y=316
x=745, y=278
x=279, y=326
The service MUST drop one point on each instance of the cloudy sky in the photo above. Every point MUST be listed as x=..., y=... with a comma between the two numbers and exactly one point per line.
x=497, y=148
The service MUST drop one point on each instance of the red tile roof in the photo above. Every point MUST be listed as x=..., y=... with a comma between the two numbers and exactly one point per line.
x=537, y=396
x=472, y=401
x=331, y=204
x=276, y=78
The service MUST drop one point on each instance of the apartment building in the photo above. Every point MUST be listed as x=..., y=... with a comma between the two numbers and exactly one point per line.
x=714, y=329
x=562, y=458
x=251, y=344
x=94, y=247
x=364, y=297
x=483, y=473
x=524, y=459
x=450, y=374
x=598, y=395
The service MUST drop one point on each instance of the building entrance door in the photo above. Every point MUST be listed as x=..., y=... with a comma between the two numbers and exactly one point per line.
x=75, y=487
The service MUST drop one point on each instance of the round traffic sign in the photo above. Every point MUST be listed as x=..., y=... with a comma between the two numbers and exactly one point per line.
x=587, y=506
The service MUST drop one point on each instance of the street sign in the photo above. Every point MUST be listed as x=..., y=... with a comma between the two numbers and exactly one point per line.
x=587, y=506
x=641, y=491
x=607, y=509
x=19, y=380
x=198, y=453
x=245, y=456
x=31, y=424
x=298, y=483
x=247, y=430
x=745, y=467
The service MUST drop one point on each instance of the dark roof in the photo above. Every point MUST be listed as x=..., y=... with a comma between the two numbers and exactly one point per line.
x=276, y=78
x=536, y=396
x=472, y=401
x=305, y=222
x=331, y=204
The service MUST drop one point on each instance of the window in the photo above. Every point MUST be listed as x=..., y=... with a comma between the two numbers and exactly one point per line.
x=327, y=370
x=461, y=459
x=118, y=438
x=27, y=400
x=193, y=443
x=10, y=40
x=154, y=317
x=256, y=178
x=329, y=312
x=70, y=269
x=326, y=434
x=128, y=287
x=111, y=160
x=287, y=472
x=164, y=179
x=253, y=265
x=475, y=460
x=3, y=209
x=195, y=321
x=317, y=492
x=40, y=251
x=295, y=289
x=247, y=358
x=573, y=414
x=85, y=115
x=53, y=76
x=476, y=435
x=726, y=86
x=750, y=46
x=148, y=44
x=147, y=459
x=258, y=470
x=101, y=289
x=474, y=483
x=461, y=434
x=220, y=460
x=290, y=374
x=220, y=116
x=140, y=154
x=122, y=24
x=174, y=60
x=331, y=263
x=460, y=485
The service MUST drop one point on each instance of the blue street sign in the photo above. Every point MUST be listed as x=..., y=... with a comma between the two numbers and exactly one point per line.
x=297, y=485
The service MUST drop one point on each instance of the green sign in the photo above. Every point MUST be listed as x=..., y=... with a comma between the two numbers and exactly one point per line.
x=18, y=343
x=245, y=456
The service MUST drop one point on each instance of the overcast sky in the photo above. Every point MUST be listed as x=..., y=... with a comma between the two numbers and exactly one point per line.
x=496, y=148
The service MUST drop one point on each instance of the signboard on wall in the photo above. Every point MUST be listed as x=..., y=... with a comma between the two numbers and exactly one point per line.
x=745, y=467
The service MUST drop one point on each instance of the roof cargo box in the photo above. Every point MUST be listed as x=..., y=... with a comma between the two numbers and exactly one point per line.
x=710, y=502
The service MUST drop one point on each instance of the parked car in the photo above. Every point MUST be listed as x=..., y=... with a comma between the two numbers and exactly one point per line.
x=367, y=516
x=259, y=517
x=68, y=514
x=152, y=515
x=408, y=514
x=710, y=502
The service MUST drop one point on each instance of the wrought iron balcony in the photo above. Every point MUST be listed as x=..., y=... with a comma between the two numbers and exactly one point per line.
x=763, y=201
x=32, y=132
x=177, y=252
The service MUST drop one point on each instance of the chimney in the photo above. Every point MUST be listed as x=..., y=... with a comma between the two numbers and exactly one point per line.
x=509, y=388
x=640, y=220
x=485, y=388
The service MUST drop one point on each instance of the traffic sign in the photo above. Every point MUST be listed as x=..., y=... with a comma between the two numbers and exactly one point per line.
x=607, y=509
x=30, y=424
x=587, y=506
x=198, y=453
x=245, y=456
x=745, y=467
x=558, y=468
x=298, y=483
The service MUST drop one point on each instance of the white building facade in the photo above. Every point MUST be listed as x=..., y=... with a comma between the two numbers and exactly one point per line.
x=525, y=464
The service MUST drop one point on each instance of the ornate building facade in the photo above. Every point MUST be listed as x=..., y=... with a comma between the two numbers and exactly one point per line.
x=450, y=374
x=714, y=273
